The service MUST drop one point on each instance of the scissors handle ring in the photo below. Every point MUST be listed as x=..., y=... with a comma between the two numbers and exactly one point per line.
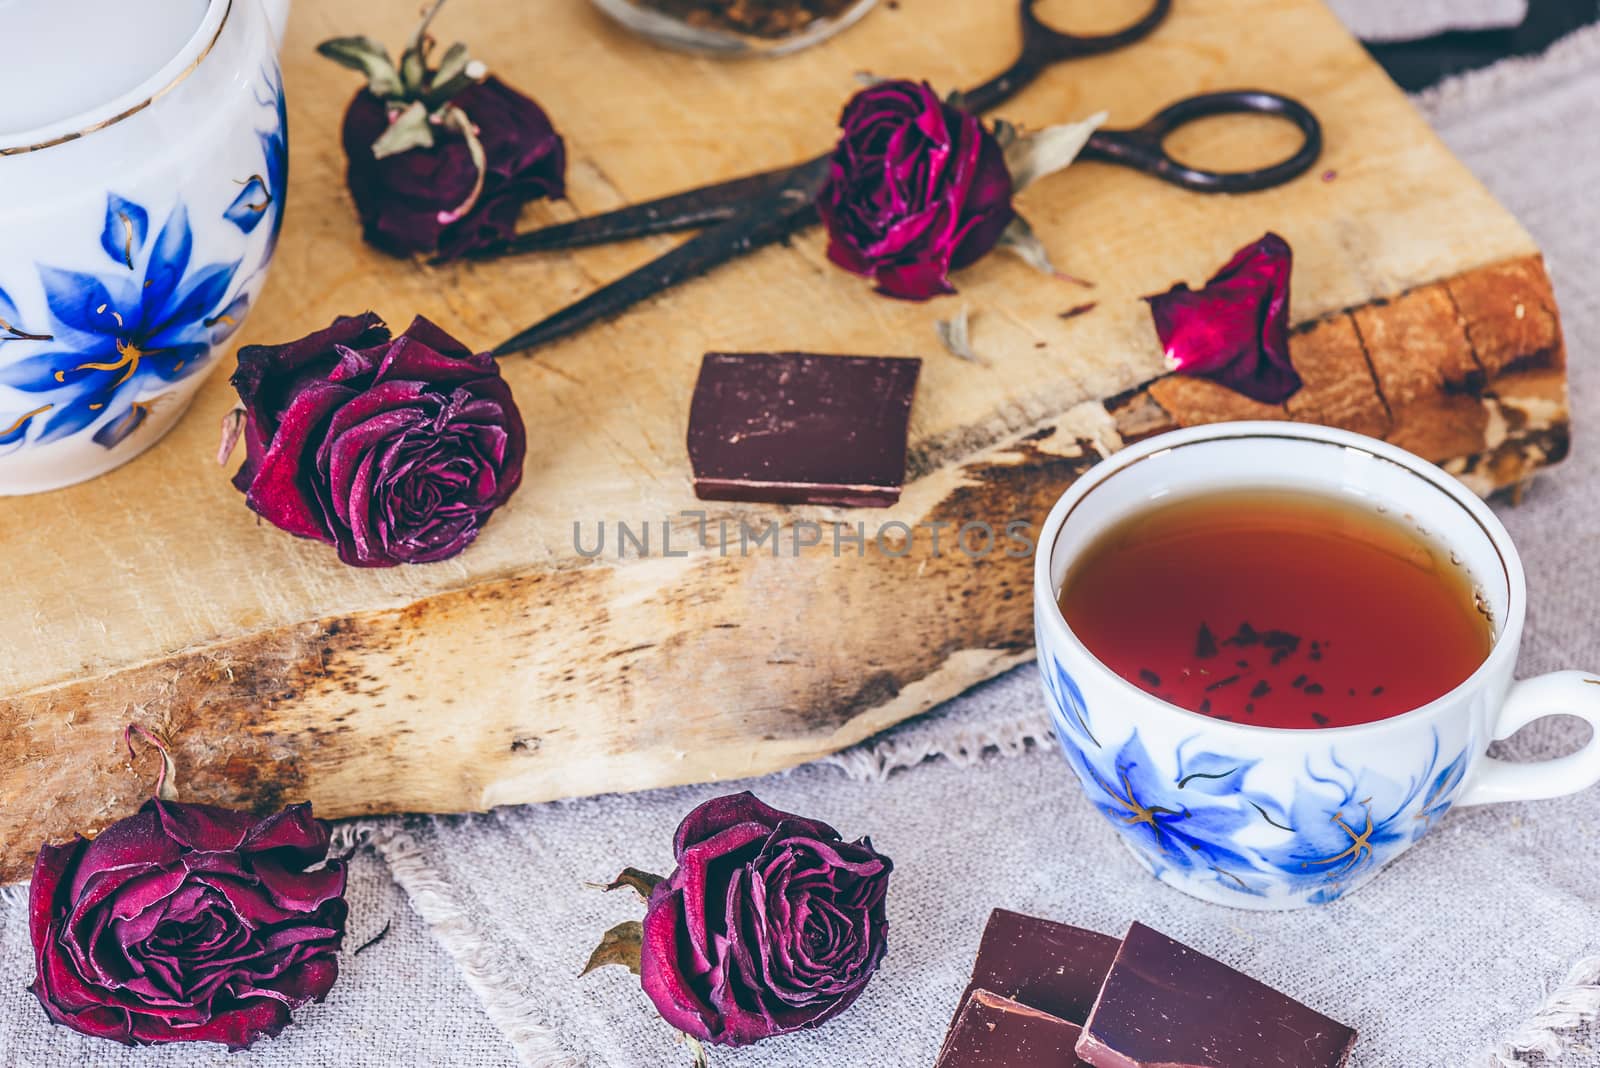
x=1043, y=47
x=1143, y=148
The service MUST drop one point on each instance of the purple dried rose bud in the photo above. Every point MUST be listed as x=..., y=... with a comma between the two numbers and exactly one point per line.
x=1236, y=329
x=917, y=188
x=395, y=451
x=413, y=201
x=770, y=924
x=441, y=157
x=187, y=923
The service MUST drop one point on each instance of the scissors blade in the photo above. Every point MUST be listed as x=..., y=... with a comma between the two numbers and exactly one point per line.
x=688, y=210
x=762, y=224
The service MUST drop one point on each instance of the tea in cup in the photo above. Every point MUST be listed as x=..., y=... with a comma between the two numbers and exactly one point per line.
x=1276, y=655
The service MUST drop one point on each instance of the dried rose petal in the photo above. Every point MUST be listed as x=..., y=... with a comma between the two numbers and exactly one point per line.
x=1235, y=330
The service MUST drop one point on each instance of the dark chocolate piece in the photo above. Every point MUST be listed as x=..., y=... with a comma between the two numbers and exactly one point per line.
x=1047, y=966
x=996, y=1032
x=795, y=428
x=1166, y=1004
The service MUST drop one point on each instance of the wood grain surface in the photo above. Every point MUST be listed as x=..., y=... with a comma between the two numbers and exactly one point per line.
x=524, y=670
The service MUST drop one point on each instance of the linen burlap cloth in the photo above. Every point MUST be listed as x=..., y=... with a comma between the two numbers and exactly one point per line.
x=1481, y=946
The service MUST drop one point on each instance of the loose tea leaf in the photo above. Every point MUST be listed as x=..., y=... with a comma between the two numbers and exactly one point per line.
x=374, y=940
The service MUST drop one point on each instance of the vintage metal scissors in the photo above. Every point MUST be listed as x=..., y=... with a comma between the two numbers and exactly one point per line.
x=748, y=213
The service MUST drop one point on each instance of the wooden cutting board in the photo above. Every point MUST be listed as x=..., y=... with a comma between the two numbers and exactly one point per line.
x=523, y=670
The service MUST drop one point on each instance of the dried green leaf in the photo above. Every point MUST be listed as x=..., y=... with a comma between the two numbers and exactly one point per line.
x=955, y=335
x=412, y=128
x=1032, y=156
x=697, y=1052
x=454, y=73
x=640, y=882
x=413, y=72
x=623, y=944
x=452, y=64
x=370, y=58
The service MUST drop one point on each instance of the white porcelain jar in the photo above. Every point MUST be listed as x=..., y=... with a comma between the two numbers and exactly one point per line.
x=143, y=162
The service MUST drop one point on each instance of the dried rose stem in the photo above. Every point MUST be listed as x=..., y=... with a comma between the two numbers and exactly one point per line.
x=428, y=13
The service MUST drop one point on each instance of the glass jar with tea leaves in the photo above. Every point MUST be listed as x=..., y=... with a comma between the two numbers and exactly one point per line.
x=736, y=28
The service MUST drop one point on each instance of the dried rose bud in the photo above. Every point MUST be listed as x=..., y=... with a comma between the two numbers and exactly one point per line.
x=395, y=451
x=187, y=923
x=918, y=188
x=441, y=157
x=1236, y=329
x=770, y=924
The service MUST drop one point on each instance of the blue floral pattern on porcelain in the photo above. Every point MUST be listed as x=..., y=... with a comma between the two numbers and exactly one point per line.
x=1203, y=819
x=150, y=318
x=120, y=327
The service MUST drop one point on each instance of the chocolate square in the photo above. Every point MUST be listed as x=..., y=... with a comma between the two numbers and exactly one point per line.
x=799, y=428
x=1166, y=1004
x=996, y=1032
x=1049, y=966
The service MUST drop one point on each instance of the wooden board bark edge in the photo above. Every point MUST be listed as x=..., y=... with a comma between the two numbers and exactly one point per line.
x=1468, y=372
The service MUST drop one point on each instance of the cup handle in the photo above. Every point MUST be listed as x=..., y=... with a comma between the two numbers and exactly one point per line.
x=277, y=18
x=1571, y=693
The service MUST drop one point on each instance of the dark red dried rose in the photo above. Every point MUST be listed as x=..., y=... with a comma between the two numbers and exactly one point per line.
x=395, y=451
x=917, y=188
x=1235, y=330
x=187, y=923
x=411, y=201
x=770, y=924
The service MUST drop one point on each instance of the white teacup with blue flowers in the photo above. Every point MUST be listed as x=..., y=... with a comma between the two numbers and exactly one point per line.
x=143, y=162
x=1270, y=818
